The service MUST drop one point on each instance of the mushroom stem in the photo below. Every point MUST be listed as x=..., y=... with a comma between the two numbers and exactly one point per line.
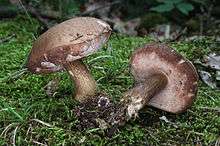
x=137, y=97
x=85, y=85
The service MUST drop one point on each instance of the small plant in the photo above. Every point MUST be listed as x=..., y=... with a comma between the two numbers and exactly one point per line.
x=149, y=20
x=169, y=5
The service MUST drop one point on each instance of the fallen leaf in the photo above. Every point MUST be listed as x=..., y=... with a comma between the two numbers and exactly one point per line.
x=164, y=118
x=128, y=27
x=207, y=78
x=166, y=32
x=51, y=87
x=213, y=61
x=197, y=61
x=97, y=8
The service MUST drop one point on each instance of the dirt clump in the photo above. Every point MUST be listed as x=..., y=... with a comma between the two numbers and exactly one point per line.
x=100, y=112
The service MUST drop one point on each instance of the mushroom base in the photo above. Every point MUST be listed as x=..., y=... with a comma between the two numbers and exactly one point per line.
x=101, y=112
x=85, y=85
x=138, y=97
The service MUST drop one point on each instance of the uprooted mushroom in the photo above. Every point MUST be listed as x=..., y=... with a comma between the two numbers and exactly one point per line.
x=163, y=79
x=63, y=46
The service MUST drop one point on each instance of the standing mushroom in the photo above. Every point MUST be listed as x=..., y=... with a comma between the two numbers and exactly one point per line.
x=163, y=79
x=64, y=45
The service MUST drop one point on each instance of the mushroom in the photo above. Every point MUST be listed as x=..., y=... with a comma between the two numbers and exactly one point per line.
x=63, y=46
x=163, y=79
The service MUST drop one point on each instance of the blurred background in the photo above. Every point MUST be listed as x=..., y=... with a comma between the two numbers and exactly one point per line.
x=162, y=19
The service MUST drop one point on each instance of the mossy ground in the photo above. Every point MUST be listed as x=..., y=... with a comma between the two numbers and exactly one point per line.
x=29, y=116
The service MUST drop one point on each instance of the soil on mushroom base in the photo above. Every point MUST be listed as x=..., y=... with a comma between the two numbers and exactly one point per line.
x=100, y=112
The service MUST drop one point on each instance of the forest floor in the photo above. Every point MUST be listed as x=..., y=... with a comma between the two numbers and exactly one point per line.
x=28, y=116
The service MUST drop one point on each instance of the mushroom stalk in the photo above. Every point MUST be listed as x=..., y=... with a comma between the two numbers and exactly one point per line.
x=137, y=97
x=85, y=85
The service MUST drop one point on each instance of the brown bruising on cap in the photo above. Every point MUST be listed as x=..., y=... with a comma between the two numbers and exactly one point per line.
x=182, y=77
x=66, y=42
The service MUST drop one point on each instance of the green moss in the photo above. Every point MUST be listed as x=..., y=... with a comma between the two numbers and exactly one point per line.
x=25, y=99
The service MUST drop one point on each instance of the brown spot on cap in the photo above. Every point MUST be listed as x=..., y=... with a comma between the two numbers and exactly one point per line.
x=68, y=41
x=181, y=89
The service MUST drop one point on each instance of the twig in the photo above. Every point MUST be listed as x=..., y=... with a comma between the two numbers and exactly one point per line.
x=5, y=109
x=29, y=129
x=179, y=35
x=164, y=118
x=201, y=23
x=93, y=130
x=31, y=10
x=98, y=8
x=6, y=39
x=14, y=76
x=38, y=143
x=4, y=132
x=209, y=13
x=11, y=11
x=14, y=136
x=217, y=143
x=217, y=109
x=50, y=14
x=41, y=122
x=213, y=99
x=27, y=14
x=38, y=16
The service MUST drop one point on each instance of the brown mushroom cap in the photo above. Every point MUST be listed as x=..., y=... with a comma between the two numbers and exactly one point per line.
x=181, y=88
x=68, y=41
